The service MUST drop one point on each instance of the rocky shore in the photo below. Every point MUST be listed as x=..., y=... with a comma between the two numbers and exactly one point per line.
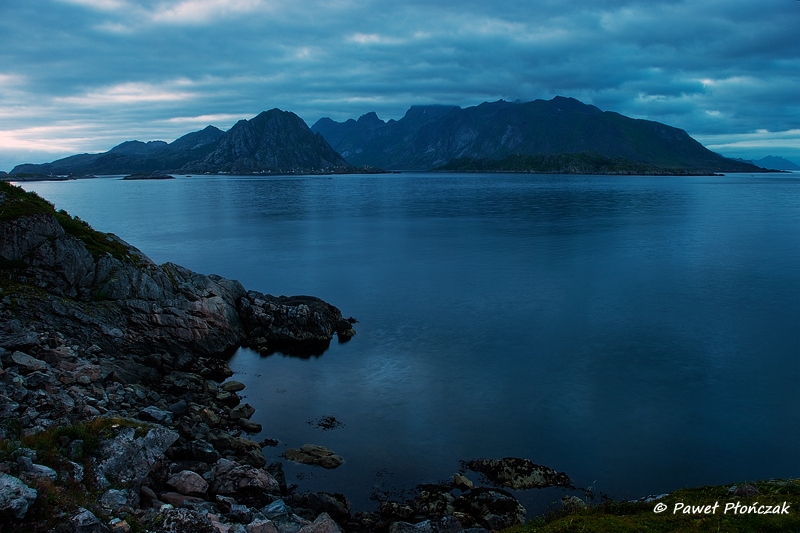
x=119, y=414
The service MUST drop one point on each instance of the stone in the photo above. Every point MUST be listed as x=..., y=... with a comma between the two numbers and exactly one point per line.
x=517, y=474
x=572, y=503
x=28, y=363
x=232, y=386
x=179, y=408
x=492, y=508
x=249, y=426
x=188, y=482
x=15, y=496
x=336, y=505
x=129, y=459
x=261, y=526
x=447, y=524
x=314, y=454
x=242, y=411
x=323, y=524
x=86, y=522
x=154, y=414
x=118, y=525
x=462, y=482
x=185, y=521
x=203, y=451
x=247, y=484
x=114, y=499
x=240, y=513
x=178, y=500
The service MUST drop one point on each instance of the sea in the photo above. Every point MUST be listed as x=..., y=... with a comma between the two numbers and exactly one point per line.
x=640, y=333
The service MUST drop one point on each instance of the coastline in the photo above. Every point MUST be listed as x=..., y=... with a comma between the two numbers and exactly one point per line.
x=59, y=310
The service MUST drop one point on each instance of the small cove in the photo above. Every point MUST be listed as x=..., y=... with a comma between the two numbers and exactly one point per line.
x=639, y=333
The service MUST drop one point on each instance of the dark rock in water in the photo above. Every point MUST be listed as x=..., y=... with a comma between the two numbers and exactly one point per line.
x=516, y=473
x=248, y=426
x=313, y=454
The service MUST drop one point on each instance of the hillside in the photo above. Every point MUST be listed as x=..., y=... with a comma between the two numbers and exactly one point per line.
x=431, y=136
x=274, y=141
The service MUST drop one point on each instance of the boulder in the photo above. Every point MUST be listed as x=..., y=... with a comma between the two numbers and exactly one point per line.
x=323, y=524
x=188, y=482
x=129, y=459
x=15, y=497
x=314, y=454
x=516, y=473
x=492, y=508
x=245, y=483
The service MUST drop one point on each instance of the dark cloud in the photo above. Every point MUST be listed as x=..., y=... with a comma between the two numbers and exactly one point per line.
x=83, y=75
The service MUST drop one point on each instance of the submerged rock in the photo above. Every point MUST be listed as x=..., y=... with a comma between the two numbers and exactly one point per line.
x=314, y=454
x=516, y=473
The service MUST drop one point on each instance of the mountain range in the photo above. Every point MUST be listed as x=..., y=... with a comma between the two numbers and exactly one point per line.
x=432, y=136
x=273, y=141
x=558, y=135
x=774, y=162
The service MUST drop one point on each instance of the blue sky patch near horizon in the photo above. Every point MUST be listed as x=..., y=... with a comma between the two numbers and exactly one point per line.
x=85, y=75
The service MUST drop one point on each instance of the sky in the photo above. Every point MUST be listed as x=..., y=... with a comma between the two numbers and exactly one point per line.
x=82, y=76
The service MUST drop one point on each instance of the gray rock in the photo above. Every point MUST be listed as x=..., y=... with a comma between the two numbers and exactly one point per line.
x=314, y=454
x=249, y=426
x=232, y=386
x=188, y=482
x=462, y=482
x=240, y=513
x=323, y=524
x=204, y=451
x=493, y=508
x=247, y=484
x=129, y=459
x=154, y=414
x=337, y=506
x=86, y=522
x=242, y=411
x=28, y=363
x=114, y=500
x=179, y=408
x=516, y=473
x=179, y=500
x=15, y=496
x=261, y=526
x=185, y=521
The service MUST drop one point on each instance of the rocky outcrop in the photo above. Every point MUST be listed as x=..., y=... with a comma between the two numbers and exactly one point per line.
x=96, y=287
x=517, y=473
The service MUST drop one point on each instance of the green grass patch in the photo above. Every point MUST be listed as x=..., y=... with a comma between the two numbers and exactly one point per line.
x=634, y=517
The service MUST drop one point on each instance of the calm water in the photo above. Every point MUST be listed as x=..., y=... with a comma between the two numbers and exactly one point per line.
x=639, y=333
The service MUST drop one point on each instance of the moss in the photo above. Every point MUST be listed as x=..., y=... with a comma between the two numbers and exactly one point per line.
x=15, y=203
x=621, y=517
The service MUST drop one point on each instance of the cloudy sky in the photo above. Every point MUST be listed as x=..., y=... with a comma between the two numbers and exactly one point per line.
x=84, y=75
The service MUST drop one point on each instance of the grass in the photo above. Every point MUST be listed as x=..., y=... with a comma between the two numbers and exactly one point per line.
x=53, y=449
x=635, y=517
x=15, y=203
